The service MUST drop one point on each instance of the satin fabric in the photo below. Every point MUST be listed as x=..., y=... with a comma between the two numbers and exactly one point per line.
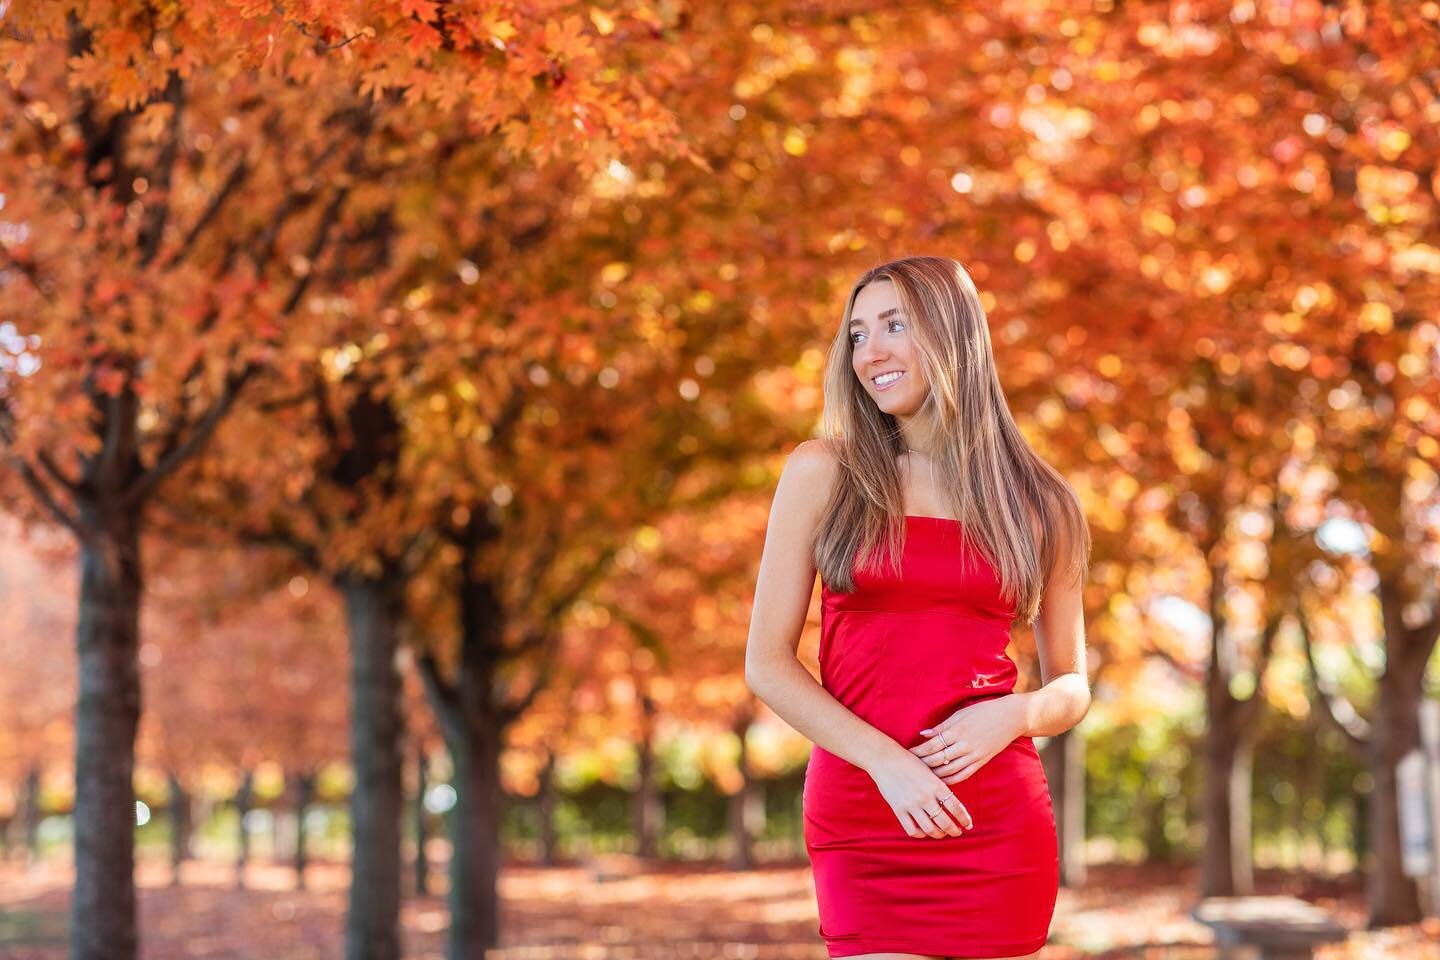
x=904, y=653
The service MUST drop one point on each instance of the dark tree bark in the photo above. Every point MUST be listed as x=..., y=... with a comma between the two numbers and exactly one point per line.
x=1064, y=763
x=32, y=816
x=545, y=811
x=747, y=806
x=478, y=704
x=1227, y=867
x=473, y=711
x=374, y=607
x=180, y=822
x=103, y=503
x=244, y=796
x=1392, y=897
x=304, y=785
x=474, y=824
x=107, y=713
x=471, y=722
x=647, y=811
x=422, y=860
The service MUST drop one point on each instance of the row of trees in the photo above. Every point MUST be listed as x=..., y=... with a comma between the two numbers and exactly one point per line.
x=316, y=247
x=258, y=697
x=448, y=308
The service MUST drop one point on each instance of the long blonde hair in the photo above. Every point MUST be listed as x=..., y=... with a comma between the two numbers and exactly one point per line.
x=992, y=478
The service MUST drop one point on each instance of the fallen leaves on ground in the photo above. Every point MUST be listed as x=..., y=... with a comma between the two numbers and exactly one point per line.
x=639, y=910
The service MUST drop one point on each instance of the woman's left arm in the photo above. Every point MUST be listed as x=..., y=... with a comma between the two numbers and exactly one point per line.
x=1063, y=698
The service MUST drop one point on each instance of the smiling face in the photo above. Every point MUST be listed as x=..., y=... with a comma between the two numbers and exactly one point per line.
x=882, y=353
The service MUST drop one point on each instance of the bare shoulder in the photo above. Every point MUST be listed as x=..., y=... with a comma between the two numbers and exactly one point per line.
x=807, y=480
x=815, y=456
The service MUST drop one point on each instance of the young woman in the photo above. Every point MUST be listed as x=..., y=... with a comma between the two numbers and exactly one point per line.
x=933, y=526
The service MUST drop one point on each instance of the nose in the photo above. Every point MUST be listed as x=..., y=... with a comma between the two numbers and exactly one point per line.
x=870, y=356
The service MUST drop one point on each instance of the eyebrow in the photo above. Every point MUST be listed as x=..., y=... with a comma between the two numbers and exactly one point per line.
x=879, y=316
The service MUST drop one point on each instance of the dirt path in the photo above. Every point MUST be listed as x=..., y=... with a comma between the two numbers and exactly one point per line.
x=670, y=911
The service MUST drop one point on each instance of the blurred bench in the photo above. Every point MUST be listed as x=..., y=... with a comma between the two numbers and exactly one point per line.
x=1275, y=928
x=604, y=867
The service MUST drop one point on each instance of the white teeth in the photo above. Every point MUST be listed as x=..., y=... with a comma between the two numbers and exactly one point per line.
x=885, y=378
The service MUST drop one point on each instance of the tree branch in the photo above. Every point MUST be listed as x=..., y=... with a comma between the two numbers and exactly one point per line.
x=317, y=247
x=70, y=486
x=199, y=434
x=1249, y=708
x=559, y=603
x=444, y=698
x=233, y=180
x=29, y=271
x=508, y=713
x=157, y=214
x=1187, y=670
x=1424, y=634
x=1339, y=711
x=43, y=494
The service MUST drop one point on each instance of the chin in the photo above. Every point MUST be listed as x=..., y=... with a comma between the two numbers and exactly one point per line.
x=898, y=407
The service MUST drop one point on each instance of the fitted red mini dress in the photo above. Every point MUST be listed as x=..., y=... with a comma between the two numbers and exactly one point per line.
x=903, y=653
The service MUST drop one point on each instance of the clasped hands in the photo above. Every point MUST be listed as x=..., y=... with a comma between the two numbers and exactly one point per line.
x=951, y=752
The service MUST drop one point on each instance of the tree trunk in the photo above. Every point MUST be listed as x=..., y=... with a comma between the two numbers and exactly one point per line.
x=304, y=796
x=1227, y=865
x=1313, y=775
x=1360, y=829
x=545, y=811
x=102, y=910
x=1226, y=868
x=32, y=817
x=746, y=807
x=243, y=798
x=179, y=827
x=1393, y=898
x=473, y=730
x=647, y=811
x=473, y=711
x=1304, y=781
x=373, y=608
x=1064, y=763
x=422, y=861
x=474, y=825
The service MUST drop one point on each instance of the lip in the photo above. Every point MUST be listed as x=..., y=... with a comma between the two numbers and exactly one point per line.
x=887, y=386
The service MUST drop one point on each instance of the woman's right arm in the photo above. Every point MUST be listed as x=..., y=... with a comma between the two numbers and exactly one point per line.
x=782, y=598
x=776, y=676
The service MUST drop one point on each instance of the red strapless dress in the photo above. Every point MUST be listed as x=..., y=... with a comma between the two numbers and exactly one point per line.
x=903, y=654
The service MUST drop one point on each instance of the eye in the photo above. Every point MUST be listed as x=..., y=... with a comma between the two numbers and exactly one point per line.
x=889, y=323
